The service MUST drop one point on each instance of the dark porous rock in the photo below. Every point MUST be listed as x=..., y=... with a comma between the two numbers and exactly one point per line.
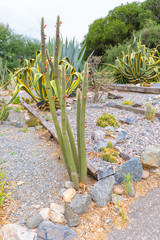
x=122, y=136
x=136, y=105
x=105, y=172
x=114, y=96
x=132, y=166
x=49, y=231
x=80, y=203
x=71, y=217
x=34, y=221
x=128, y=120
x=125, y=156
x=101, y=192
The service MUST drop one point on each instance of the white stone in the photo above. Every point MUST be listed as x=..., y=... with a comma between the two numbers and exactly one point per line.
x=17, y=232
x=98, y=135
x=145, y=174
x=118, y=189
x=45, y=213
x=69, y=194
x=69, y=184
x=57, y=208
x=151, y=156
x=56, y=217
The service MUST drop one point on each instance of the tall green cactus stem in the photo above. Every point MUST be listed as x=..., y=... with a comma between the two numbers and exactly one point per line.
x=78, y=128
x=58, y=86
x=51, y=101
x=82, y=129
x=3, y=113
x=42, y=45
x=68, y=150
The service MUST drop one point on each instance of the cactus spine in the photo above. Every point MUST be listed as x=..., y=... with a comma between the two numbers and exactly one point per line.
x=65, y=135
x=150, y=112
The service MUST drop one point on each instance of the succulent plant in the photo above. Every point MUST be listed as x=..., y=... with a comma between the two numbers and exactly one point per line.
x=4, y=113
x=150, y=112
x=107, y=120
x=110, y=144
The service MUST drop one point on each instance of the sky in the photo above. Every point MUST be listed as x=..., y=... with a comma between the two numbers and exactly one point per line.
x=24, y=16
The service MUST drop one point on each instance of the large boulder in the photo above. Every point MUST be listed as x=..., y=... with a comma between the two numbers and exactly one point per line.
x=98, y=135
x=151, y=157
x=71, y=217
x=133, y=167
x=101, y=192
x=49, y=231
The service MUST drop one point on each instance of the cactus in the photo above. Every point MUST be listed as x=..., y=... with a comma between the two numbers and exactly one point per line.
x=106, y=156
x=112, y=159
x=110, y=145
x=3, y=113
x=75, y=162
x=115, y=154
x=150, y=112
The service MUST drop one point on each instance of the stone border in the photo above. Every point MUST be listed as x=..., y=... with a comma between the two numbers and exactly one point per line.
x=128, y=108
x=151, y=90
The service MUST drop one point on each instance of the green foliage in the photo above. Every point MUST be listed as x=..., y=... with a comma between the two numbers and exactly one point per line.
x=4, y=113
x=17, y=100
x=47, y=118
x=110, y=145
x=25, y=130
x=150, y=112
x=117, y=26
x=106, y=156
x=151, y=35
x=4, y=80
x=3, y=194
x=15, y=47
x=107, y=120
x=139, y=64
x=127, y=183
x=127, y=103
x=75, y=162
x=115, y=154
x=119, y=208
x=33, y=121
x=17, y=109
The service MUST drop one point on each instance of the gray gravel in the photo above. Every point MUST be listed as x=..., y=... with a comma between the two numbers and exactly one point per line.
x=29, y=159
x=144, y=220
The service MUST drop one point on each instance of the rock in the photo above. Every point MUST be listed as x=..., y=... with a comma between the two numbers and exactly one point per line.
x=57, y=208
x=151, y=157
x=119, y=129
x=17, y=232
x=95, y=105
x=111, y=104
x=114, y=199
x=38, y=127
x=118, y=189
x=32, y=129
x=34, y=221
x=19, y=124
x=72, y=218
x=45, y=214
x=49, y=231
x=131, y=192
x=145, y=174
x=136, y=105
x=122, y=136
x=80, y=203
x=114, y=96
x=132, y=166
x=130, y=120
x=69, y=194
x=155, y=85
x=154, y=170
x=69, y=184
x=109, y=128
x=68, y=109
x=56, y=217
x=101, y=192
x=105, y=172
x=98, y=135
x=37, y=206
x=125, y=156
x=61, y=192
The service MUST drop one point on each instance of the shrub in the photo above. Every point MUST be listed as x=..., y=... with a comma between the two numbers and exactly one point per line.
x=107, y=120
x=33, y=121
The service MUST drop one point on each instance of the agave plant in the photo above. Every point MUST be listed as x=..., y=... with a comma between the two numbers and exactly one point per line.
x=139, y=64
x=70, y=49
x=30, y=78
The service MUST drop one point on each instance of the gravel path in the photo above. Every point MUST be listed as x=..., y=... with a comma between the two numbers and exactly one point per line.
x=35, y=176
